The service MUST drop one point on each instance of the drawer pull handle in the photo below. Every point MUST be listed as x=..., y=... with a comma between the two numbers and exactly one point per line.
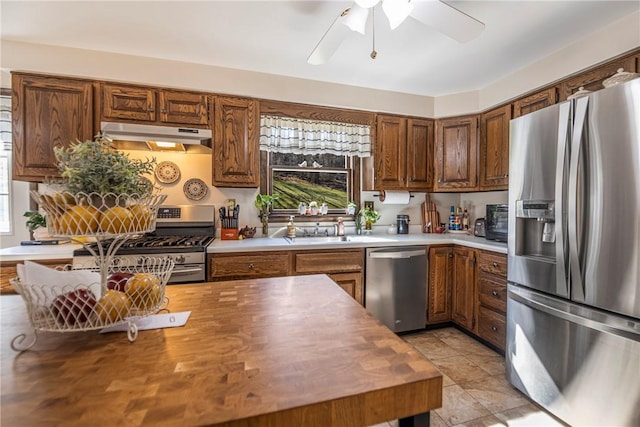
x=251, y=266
x=494, y=293
x=495, y=265
x=494, y=329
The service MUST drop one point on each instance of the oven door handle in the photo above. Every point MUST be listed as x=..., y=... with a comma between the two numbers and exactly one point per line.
x=187, y=270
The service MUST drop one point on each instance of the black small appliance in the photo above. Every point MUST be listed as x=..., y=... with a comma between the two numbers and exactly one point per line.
x=403, y=224
x=497, y=223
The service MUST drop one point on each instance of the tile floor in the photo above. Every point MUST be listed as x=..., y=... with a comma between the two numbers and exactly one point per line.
x=475, y=391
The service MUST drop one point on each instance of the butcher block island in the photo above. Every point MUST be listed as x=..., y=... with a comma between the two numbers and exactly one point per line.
x=285, y=351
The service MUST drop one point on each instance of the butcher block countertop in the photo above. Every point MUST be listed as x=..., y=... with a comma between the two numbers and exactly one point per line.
x=286, y=351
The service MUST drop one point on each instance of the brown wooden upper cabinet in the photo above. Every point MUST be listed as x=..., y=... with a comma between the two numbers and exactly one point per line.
x=494, y=149
x=154, y=106
x=236, y=161
x=47, y=112
x=456, y=154
x=534, y=102
x=592, y=80
x=403, y=153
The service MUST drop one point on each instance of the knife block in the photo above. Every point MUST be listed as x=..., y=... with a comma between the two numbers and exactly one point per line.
x=229, y=233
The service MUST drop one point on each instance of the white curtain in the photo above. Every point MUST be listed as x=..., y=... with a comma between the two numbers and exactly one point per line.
x=301, y=136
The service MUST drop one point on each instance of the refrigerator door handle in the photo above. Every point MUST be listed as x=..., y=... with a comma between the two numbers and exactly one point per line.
x=562, y=267
x=629, y=330
x=575, y=197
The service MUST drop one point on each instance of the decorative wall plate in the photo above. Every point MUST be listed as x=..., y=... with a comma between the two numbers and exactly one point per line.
x=195, y=189
x=167, y=172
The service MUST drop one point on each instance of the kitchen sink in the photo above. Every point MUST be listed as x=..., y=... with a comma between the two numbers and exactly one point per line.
x=319, y=240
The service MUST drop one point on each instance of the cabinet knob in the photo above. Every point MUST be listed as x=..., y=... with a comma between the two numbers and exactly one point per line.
x=494, y=293
x=150, y=110
x=251, y=266
x=494, y=329
x=163, y=111
x=495, y=265
x=439, y=180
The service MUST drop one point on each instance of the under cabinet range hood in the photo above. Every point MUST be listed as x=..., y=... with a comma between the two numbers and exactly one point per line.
x=126, y=136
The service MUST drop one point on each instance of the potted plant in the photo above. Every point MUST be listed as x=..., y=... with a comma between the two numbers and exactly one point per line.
x=313, y=207
x=264, y=203
x=370, y=217
x=94, y=167
x=37, y=224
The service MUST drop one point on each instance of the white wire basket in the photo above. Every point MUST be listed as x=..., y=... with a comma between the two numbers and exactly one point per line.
x=129, y=292
x=94, y=214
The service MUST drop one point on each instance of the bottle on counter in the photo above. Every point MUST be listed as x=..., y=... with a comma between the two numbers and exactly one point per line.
x=465, y=220
x=452, y=217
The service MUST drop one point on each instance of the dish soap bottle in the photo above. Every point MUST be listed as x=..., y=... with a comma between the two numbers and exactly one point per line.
x=291, y=228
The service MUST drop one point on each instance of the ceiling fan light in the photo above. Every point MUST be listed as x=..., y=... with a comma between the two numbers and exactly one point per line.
x=356, y=19
x=366, y=4
x=397, y=11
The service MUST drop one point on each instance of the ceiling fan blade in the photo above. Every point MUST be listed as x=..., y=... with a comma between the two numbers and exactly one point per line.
x=448, y=20
x=330, y=41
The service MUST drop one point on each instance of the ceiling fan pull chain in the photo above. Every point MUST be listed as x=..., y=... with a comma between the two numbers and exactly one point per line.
x=373, y=32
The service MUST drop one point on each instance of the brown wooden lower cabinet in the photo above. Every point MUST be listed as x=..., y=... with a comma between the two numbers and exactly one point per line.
x=491, y=303
x=255, y=265
x=469, y=288
x=8, y=271
x=344, y=267
x=351, y=283
x=439, y=287
x=463, y=287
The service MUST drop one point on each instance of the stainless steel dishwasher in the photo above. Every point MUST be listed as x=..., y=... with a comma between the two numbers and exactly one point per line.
x=396, y=286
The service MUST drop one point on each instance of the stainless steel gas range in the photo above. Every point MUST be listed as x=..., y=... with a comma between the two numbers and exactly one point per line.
x=182, y=233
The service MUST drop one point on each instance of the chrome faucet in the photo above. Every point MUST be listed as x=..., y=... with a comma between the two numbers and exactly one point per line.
x=316, y=230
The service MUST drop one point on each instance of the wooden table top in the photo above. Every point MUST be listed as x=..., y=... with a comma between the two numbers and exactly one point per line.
x=287, y=351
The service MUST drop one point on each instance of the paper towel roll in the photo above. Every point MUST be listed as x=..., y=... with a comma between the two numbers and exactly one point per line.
x=394, y=197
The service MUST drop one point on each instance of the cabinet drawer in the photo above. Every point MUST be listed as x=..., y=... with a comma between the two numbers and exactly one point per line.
x=328, y=261
x=491, y=327
x=244, y=266
x=492, y=293
x=493, y=263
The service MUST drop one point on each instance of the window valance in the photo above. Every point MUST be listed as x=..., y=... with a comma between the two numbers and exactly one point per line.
x=303, y=136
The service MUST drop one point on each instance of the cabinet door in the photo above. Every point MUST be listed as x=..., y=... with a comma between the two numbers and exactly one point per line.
x=128, y=102
x=592, y=80
x=534, y=102
x=456, y=154
x=439, y=291
x=255, y=265
x=47, y=112
x=419, y=170
x=235, y=143
x=494, y=149
x=351, y=283
x=183, y=107
x=464, y=277
x=390, y=152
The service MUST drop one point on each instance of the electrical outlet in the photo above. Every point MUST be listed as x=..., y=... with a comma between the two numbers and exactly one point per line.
x=369, y=205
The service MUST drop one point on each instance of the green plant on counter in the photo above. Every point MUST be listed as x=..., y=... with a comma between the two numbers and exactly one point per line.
x=35, y=220
x=264, y=203
x=94, y=167
x=370, y=216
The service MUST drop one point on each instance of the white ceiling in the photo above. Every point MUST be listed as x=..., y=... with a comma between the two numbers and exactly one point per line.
x=276, y=37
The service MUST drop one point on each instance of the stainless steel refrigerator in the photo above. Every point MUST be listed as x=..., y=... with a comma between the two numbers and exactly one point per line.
x=573, y=307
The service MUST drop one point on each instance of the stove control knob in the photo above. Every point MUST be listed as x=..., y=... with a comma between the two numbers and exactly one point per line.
x=140, y=260
x=180, y=258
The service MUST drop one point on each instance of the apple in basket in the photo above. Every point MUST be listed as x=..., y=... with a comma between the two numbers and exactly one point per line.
x=144, y=291
x=117, y=280
x=73, y=307
x=113, y=306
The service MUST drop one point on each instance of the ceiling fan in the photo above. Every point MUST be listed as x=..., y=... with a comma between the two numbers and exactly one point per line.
x=433, y=13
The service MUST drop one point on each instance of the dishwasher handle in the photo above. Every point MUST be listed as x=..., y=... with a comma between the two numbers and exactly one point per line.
x=398, y=254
